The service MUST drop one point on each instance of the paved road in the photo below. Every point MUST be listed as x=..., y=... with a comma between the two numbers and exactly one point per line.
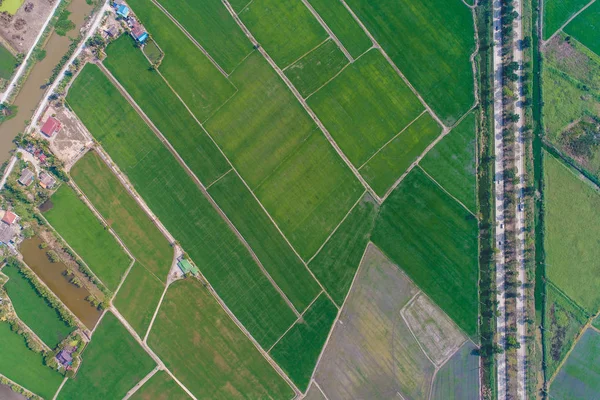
x=8, y=170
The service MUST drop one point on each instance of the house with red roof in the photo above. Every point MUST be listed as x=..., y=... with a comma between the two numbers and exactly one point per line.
x=51, y=126
x=9, y=217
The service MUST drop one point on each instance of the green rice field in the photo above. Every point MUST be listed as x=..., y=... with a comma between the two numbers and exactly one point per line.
x=25, y=367
x=166, y=111
x=557, y=12
x=160, y=387
x=313, y=70
x=435, y=244
x=113, y=363
x=571, y=234
x=365, y=106
x=82, y=230
x=344, y=27
x=7, y=63
x=180, y=206
x=287, y=30
x=336, y=263
x=297, y=352
x=458, y=379
x=585, y=27
x=431, y=43
x=31, y=308
x=382, y=171
x=275, y=254
x=452, y=163
x=203, y=347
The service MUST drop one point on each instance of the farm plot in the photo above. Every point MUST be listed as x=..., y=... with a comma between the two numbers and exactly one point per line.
x=365, y=106
x=458, y=379
x=287, y=30
x=7, y=63
x=275, y=254
x=452, y=163
x=138, y=298
x=431, y=43
x=186, y=68
x=114, y=363
x=371, y=353
x=435, y=244
x=33, y=309
x=160, y=387
x=557, y=12
x=571, y=245
x=579, y=377
x=385, y=167
x=78, y=225
x=314, y=393
x=343, y=26
x=213, y=28
x=180, y=206
x=25, y=367
x=166, y=111
x=585, y=27
x=297, y=352
x=317, y=67
x=564, y=321
x=336, y=263
x=205, y=349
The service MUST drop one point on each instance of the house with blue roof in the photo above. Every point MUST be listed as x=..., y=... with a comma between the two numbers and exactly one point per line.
x=123, y=11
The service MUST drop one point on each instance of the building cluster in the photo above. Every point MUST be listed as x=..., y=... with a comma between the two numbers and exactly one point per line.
x=137, y=30
x=9, y=228
x=27, y=177
x=65, y=357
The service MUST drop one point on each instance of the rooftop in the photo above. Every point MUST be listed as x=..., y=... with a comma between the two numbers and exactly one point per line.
x=26, y=177
x=46, y=180
x=9, y=217
x=186, y=267
x=51, y=126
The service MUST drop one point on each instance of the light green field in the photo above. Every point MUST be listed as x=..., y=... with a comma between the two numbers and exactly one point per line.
x=25, y=367
x=384, y=169
x=458, y=379
x=344, y=27
x=571, y=234
x=114, y=363
x=557, y=12
x=336, y=263
x=431, y=42
x=143, y=239
x=452, y=163
x=297, y=352
x=180, y=206
x=434, y=240
x=11, y=6
x=7, y=63
x=212, y=26
x=160, y=387
x=286, y=29
x=82, y=230
x=579, y=378
x=33, y=309
x=317, y=67
x=138, y=298
x=188, y=70
x=278, y=258
x=203, y=347
x=166, y=111
x=586, y=26
x=365, y=106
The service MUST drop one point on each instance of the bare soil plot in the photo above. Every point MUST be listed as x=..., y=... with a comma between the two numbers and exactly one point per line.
x=314, y=393
x=71, y=141
x=437, y=334
x=21, y=29
x=458, y=379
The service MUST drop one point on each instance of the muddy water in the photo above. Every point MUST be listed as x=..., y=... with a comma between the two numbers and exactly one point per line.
x=6, y=393
x=32, y=91
x=52, y=275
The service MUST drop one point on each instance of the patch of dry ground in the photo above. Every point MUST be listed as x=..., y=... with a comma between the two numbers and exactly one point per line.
x=21, y=29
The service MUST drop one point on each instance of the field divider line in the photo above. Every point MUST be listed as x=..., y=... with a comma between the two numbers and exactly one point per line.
x=329, y=31
x=219, y=178
x=394, y=66
x=563, y=26
x=575, y=341
x=190, y=37
x=320, y=389
x=445, y=191
x=145, y=339
x=244, y=8
x=57, y=390
x=411, y=331
x=308, y=52
x=198, y=183
x=299, y=97
x=393, y=138
x=141, y=383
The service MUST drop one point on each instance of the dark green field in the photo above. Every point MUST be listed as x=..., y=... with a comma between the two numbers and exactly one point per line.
x=166, y=111
x=317, y=67
x=297, y=352
x=180, y=205
x=113, y=363
x=82, y=230
x=336, y=263
x=365, y=106
x=452, y=163
x=160, y=387
x=203, y=347
x=7, y=63
x=557, y=12
x=434, y=240
x=34, y=310
x=270, y=247
x=585, y=27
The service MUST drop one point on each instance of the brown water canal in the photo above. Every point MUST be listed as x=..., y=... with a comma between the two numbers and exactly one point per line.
x=52, y=275
x=32, y=91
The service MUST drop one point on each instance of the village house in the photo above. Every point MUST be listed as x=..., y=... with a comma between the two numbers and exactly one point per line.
x=138, y=32
x=46, y=180
x=7, y=233
x=65, y=356
x=122, y=11
x=187, y=268
x=26, y=177
x=51, y=126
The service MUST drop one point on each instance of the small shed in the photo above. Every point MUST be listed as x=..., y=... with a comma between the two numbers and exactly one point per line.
x=51, y=126
x=9, y=217
x=122, y=11
x=26, y=178
x=187, y=268
x=46, y=180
